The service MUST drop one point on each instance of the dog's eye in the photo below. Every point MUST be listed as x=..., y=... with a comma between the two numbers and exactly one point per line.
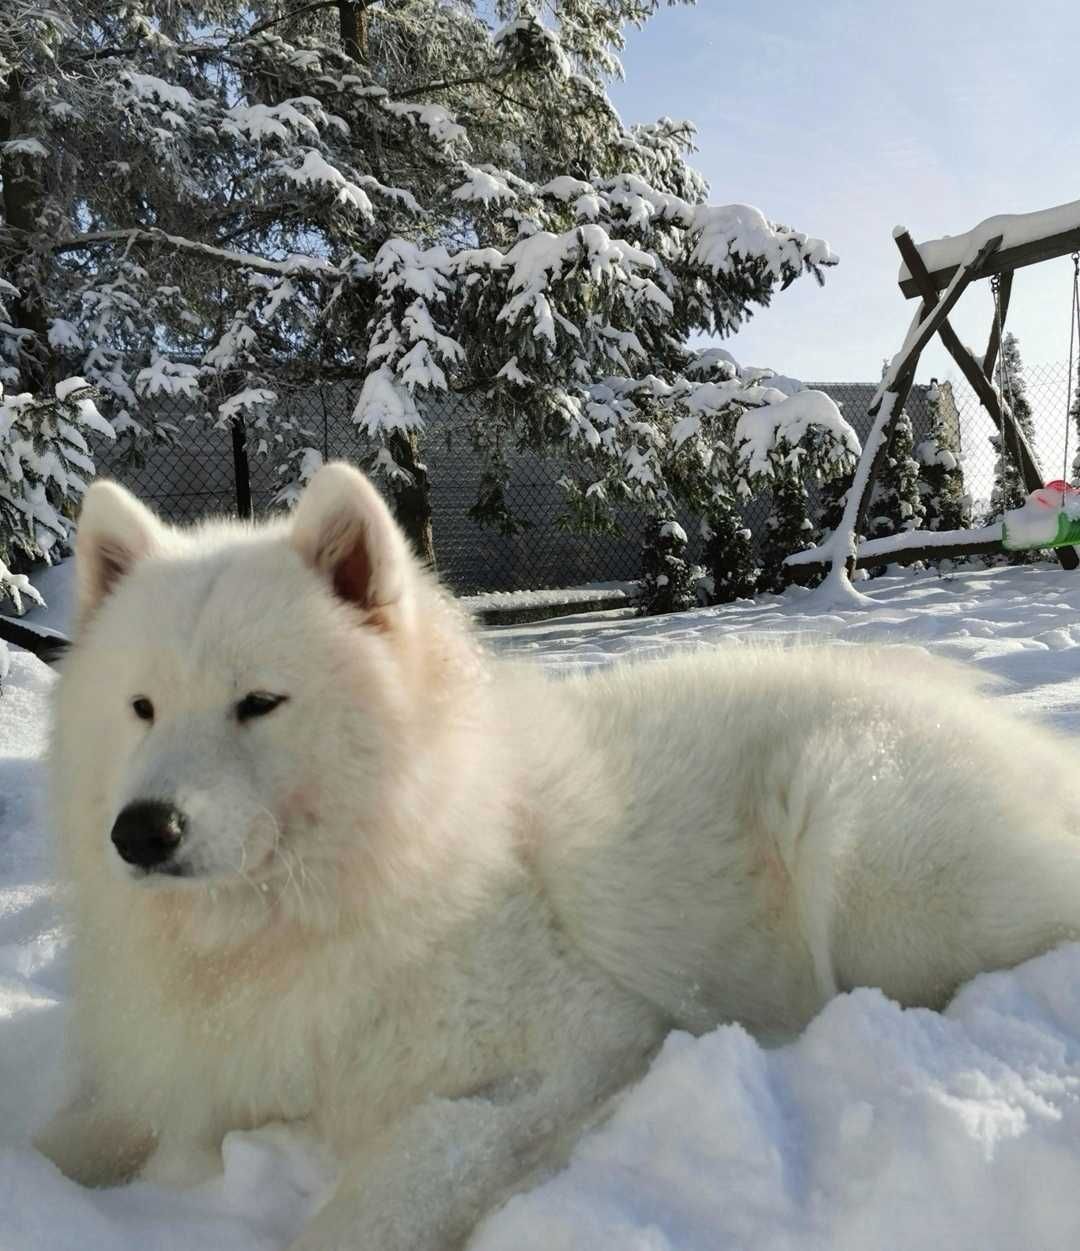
x=258, y=704
x=142, y=708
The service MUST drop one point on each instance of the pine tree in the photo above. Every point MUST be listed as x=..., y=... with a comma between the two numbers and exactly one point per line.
x=401, y=194
x=729, y=554
x=788, y=528
x=946, y=503
x=832, y=497
x=1074, y=413
x=834, y=466
x=1009, y=490
x=669, y=580
x=707, y=441
x=896, y=503
x=44, y=464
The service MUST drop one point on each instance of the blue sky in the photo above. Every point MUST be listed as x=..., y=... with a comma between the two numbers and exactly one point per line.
x=844, y=119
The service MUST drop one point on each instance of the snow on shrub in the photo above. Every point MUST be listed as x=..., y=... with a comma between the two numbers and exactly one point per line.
x=45, y=465
x=707, y=441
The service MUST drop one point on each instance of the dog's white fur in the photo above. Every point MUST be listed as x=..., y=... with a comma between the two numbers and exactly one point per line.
x=442, y=906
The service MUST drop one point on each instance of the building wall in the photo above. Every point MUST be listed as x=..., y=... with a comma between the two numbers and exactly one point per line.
x=193, y=477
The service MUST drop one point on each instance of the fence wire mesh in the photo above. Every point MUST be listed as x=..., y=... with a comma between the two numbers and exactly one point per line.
x=1050, y=394
x=193, y=476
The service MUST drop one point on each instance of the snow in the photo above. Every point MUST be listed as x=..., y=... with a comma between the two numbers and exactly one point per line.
x=841, y=544
x=483, y=186
x=877, y=1128
x=512, y=372
x=565, y=188
x=315, y=169
x=1014, y=228
x=165, y=377
x=929, y=453
x=69, y=386
x=540, y=257
x=707, y=360
x=725, y=232
x=520, y=601
x=63, y=335
x=260, y=122
x=384, y=405
x=790, y=419
x=249, y=399
x=25, y=145
x=437, y=121
x=533, y=33
x=148, y=87
x=926, y=538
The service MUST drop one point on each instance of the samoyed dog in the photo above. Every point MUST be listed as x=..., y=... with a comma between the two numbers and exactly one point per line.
x=332, y=866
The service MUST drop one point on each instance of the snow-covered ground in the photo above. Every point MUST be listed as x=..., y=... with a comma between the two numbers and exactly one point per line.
x=582, y=598
x=876, y=1129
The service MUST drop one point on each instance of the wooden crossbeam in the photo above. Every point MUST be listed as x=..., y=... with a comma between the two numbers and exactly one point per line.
x=1012, y=436
x=934, y=314
x=1007, y=259
x=802, y=571
x=937, y=309
x=48, y=645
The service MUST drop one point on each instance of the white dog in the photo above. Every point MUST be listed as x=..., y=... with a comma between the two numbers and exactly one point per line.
x=332, y=866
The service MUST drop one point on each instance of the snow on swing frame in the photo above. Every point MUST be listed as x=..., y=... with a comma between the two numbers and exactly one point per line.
x=1050, y=518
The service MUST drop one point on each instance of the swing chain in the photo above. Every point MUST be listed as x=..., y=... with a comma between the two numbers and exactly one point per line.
x=1074, y=322
x=1005, y=388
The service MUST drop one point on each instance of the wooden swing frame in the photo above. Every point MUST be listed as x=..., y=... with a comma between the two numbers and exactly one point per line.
x=939, y=291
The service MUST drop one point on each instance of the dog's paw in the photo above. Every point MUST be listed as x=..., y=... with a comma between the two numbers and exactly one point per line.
x=92, y=1147
x=181, y=1166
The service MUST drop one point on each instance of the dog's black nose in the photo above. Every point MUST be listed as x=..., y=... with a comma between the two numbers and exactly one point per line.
x=147, y=833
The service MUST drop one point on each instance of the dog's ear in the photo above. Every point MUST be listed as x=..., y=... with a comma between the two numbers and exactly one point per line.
x=343, y=529
x=114, y=532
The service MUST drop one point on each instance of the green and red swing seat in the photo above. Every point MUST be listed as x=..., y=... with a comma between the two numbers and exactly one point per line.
x=1049, y=518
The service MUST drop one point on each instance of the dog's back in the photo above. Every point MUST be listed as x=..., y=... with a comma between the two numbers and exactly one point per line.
x=787, y=822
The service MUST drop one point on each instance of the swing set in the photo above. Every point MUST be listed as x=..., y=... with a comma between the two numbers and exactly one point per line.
x=937, y=273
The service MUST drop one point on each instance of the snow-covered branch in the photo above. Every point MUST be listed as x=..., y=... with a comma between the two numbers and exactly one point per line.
x=294, y=266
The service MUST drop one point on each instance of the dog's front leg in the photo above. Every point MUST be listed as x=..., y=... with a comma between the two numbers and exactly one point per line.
x=424, y=1185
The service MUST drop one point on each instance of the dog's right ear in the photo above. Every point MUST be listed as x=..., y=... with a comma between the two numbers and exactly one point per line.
x=344, y=531
x=114, y=532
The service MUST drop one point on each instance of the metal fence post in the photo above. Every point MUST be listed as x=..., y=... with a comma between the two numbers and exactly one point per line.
x=241, y=469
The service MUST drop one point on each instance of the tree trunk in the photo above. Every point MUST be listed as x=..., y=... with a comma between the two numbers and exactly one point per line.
x=412, y=503
x=353, y=25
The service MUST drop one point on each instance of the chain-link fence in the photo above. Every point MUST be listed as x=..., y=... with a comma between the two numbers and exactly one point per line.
x=197, y=475
x=1050, y=394
x=1042, y=394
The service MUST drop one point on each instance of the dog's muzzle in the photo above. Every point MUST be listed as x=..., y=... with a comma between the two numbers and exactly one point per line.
x=147, y=833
